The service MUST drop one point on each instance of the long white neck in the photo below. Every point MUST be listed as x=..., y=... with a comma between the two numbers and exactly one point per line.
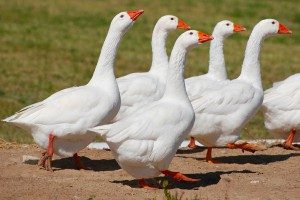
x=216, y=66
x=159, y=53
x=251, y=65
x=105, y=65
x=175, y=86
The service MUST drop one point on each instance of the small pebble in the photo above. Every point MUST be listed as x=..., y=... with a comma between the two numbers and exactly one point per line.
x=227, y=178
x=254, y=182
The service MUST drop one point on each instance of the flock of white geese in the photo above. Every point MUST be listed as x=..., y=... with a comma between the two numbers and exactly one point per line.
x=144, y=117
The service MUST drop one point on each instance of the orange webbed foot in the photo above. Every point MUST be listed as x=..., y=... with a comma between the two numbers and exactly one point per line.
x=245, y=146
x=179, y=176
x=145, y=185
x=209, y=158
x=45, y=162
x=288, y=144
x=192, y=144
x=46, y=159
x=290, y=147
x=42, y=160
x=213, y=161
x=48, y=166
x=78, y=162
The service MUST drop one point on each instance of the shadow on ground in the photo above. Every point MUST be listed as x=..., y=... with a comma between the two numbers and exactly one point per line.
x=251, y=159
x=255, y=159
x=94, y=165
x=206, y=179
x=187, y=150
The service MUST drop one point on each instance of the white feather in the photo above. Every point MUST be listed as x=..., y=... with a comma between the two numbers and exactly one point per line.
x=68, y=113
x=281, y=107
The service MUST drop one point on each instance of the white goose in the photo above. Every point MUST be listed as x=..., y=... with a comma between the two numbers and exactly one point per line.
x=216, y=70
x=139, y=89
x=60, y=122
x=145, y=143
x=281, y=108
x=224, y=108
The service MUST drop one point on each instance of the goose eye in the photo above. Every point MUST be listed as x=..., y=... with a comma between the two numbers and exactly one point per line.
x=121, y=16
x=191, y=33
x=273, y=22
x=172, y=18
x=227, y=24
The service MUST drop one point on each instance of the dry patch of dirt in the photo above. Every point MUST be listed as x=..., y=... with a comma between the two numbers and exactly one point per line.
x=270, y=174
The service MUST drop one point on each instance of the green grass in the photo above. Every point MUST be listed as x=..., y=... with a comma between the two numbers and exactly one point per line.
x=168, y=195
x=46, y=46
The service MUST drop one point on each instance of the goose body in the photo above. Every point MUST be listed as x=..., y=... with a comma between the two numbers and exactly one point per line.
x=145, y=143
x=224, y=111
x=227, y=106
x=198, y=85
x=141, y=145
x=140, y=89
x=137, y=90
x=281, y=107
x=67, y=114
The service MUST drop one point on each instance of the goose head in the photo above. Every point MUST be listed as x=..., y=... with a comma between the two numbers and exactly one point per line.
x=226, y=28
x=269, y=27
x=170, y=23
x=122, y=21
x=192, y=38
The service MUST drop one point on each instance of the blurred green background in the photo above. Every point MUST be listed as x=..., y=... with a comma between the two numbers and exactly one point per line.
x=49, y=45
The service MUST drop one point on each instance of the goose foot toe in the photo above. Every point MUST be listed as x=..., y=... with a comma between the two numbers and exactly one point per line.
x=45, y=162
x=192, y=144
x=78, y=163
x=143, y=184
x=179, y=176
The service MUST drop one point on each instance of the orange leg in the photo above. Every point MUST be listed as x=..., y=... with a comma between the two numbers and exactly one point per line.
x=145, y=185
x=50, y=145
x=192, y=144
x=288, y=144
x=49, y=153
x=178, y=176
x=209, y=157
x=45, y=160
x=78, y=162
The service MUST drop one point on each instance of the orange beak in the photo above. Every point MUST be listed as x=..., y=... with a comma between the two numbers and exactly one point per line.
x=182, y=25
x=202, y=37
x=238, y=28
x=134, y=14
x=283, y=29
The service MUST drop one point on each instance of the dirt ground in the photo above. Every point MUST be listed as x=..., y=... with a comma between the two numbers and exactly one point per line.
x=270, y=174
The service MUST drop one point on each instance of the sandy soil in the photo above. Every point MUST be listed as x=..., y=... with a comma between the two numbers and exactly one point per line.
x=271, y=174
